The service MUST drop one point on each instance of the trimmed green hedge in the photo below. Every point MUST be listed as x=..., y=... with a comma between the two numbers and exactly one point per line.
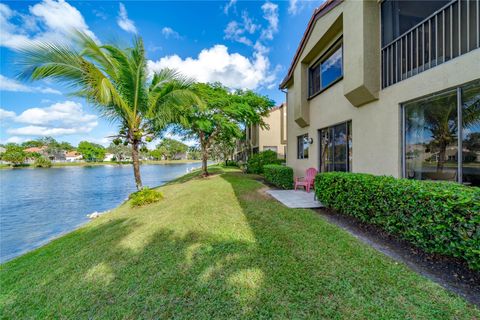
x=257, y=161
x=278, y=175
x=440, y=217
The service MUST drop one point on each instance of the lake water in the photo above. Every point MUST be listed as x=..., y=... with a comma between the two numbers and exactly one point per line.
x=37, y=205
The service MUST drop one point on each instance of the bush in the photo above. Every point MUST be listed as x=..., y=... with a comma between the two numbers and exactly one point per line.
x=231, y=163
x=42, y=162
x=278, y=175
x=257, y=161
x=144, y=196
x=440, y=217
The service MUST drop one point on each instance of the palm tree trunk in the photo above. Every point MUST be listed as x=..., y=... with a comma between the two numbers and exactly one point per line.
x=136, y=165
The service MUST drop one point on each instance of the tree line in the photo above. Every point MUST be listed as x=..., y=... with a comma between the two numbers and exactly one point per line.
x=115, y=81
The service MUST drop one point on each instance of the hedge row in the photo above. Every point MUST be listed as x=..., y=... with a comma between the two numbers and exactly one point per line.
x=440, y=217
x=257, y=161
x=278, y=175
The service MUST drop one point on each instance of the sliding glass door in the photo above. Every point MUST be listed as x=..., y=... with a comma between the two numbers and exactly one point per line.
x=336, y=147
x=442, y=136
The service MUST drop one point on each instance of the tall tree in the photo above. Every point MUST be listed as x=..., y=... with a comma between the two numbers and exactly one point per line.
x=114, y=80
x=91, y=151
x=172, y=147
x=221, y=115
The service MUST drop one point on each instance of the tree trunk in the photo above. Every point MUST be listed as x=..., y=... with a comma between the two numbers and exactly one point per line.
x=136, y=165
x=204, y=161
x=441, y=157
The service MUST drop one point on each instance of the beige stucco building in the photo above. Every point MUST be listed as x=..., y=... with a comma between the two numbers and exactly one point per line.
x=272, y=137
x=373, y=83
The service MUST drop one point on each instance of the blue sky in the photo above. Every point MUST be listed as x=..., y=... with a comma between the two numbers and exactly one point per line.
x=243, y=44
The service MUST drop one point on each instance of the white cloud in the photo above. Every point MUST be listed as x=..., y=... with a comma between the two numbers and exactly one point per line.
x=124, y=22
x=229, y=5
x=61, y=118
x=238, y=31
x=5, y=114
x=270, y=13
x=170, y=33
x=15, y=139
x=48, y=20
x=293, y=7
x=7, y=84
x=217, y=64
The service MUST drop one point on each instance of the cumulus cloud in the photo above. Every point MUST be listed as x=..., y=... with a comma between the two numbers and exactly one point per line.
x=63, y=118
x=170, y=33
x=7, y=84
x=124, y=22
x=270, y=13
x=230, y=4
x=217, y=64
x=48, y=20
x=15, y=139
x=5, y=114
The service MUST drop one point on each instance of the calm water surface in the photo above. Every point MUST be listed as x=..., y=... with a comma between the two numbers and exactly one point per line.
x=37, y=205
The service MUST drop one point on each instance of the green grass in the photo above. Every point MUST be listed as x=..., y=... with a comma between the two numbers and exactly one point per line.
x=217, y=248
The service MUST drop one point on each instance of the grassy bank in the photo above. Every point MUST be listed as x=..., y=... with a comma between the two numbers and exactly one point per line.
x=217, y=248
x=83, y=164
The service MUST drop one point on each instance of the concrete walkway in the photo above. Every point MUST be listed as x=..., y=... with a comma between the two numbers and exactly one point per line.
x=296, y=199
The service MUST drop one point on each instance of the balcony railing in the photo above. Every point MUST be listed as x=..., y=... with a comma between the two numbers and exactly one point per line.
x=448, y=33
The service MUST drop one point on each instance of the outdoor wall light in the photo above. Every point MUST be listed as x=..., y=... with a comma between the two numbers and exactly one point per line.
x=310, y=140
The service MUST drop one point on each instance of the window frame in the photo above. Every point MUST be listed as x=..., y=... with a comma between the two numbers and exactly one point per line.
x=459, y=90
x=349, y=145
x=300, y=147
x=338, y=44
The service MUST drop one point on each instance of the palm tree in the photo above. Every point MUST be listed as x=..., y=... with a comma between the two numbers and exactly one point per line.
x=115, y=81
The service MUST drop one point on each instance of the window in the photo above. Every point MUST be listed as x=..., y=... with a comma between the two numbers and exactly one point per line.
x=302, y=146
x=431, y=136
x=327, y=71
x=336, y=148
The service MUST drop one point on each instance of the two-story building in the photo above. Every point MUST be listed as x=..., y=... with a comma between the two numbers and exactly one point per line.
x=387, y=87
x=272, y=137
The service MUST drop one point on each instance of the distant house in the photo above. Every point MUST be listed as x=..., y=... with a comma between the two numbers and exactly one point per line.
x=72, y=156
x=57, y=156
x=2, y=150
x=109, y=157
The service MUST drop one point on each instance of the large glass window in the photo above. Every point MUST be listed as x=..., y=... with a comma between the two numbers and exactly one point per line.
x=400, y=16
x=336, y=148
x=328, y=70
x=471, y=134
x=302, y=146
x=432, y=144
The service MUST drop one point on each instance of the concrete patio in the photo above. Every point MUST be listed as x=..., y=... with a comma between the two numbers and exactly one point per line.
x=296, y=199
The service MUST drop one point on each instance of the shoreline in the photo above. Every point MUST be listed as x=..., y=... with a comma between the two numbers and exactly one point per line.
x=103, y=163
x=92, y=219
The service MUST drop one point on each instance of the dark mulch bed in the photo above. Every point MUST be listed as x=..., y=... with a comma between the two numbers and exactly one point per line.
x=451, y=273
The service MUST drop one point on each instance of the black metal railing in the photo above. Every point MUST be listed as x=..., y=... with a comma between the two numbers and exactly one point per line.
x=449, y=32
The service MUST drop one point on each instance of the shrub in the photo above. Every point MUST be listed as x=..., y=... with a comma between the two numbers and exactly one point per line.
x=257, y=161
x=278, y=175
x=42, y=162
x=231, y=163
x=440, y=217
x=144, y=196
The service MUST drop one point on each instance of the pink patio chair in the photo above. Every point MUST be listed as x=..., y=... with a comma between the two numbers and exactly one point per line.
x=308, y=180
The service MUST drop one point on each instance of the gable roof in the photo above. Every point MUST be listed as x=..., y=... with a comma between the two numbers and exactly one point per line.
x=317, y=14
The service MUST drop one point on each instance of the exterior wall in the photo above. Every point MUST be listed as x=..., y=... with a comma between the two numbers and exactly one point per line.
x=376, y=125
x=258, y=138
x=272, y=137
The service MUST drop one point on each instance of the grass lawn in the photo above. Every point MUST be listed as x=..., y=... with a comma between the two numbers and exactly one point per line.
x=217, y=248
